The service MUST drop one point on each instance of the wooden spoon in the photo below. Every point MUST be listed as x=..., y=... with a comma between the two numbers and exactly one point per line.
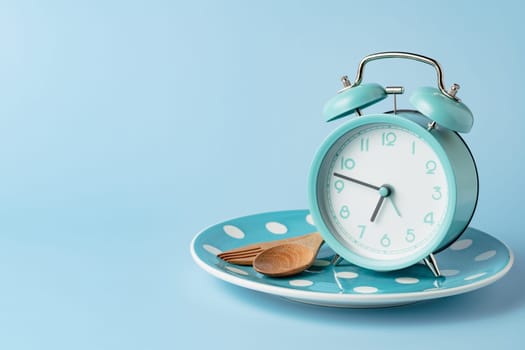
x=289, y=258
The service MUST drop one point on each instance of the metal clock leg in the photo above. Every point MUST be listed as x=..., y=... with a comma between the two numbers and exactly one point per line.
x=336, y=259
x=431, y=263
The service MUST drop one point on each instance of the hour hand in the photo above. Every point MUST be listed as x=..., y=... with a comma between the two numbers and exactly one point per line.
x=384, y=191
x=376, y=209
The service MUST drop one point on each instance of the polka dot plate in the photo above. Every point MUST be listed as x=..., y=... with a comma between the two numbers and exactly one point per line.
x=475, y=260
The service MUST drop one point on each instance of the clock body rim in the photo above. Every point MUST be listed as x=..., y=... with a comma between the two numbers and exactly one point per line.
x=459, y=168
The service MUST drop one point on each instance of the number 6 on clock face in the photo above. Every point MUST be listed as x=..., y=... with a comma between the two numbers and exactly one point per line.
x=384, y=191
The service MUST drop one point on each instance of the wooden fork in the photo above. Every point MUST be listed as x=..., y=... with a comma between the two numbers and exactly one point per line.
x=245, y=255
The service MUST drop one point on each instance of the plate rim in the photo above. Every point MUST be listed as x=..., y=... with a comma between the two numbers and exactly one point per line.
x=343, y=299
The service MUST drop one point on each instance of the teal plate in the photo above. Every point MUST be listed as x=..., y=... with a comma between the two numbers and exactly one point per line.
x=475, y=260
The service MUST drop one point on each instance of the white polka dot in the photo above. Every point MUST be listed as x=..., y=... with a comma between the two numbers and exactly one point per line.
x=347, y=274
x=233, y=231
x=365, y=289
x=301, y=283
x=449, y=273
x=236, y=270
x=485, y=256
x=473, y=277
x=211, y=249
x=461, y=244
x=321, y=263
x=407, y=280
x=276, y=227
x=310, y=220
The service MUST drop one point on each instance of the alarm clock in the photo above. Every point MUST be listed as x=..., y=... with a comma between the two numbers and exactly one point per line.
x=387, y=191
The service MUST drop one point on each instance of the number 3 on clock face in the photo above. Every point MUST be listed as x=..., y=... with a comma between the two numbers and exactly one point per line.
x=385, y=193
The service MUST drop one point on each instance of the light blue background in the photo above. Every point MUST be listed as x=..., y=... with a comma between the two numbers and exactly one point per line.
x=126, y=127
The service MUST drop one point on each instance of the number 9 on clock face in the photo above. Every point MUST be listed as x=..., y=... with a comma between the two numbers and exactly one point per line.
x=384, y=191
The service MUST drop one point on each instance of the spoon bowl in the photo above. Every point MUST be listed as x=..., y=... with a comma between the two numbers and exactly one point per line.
x=288, y=259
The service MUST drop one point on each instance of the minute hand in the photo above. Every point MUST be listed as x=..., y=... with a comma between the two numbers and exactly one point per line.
x=344, y=177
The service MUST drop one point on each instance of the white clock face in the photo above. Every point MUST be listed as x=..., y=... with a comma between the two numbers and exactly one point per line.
x=383, y=192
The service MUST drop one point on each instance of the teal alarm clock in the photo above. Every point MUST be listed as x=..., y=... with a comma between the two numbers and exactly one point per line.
x=389, y=190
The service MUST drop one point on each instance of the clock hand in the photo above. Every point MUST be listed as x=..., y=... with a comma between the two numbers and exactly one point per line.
x=384, y=191
x=376, y=209
x=344, y=177
x=395, y=207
